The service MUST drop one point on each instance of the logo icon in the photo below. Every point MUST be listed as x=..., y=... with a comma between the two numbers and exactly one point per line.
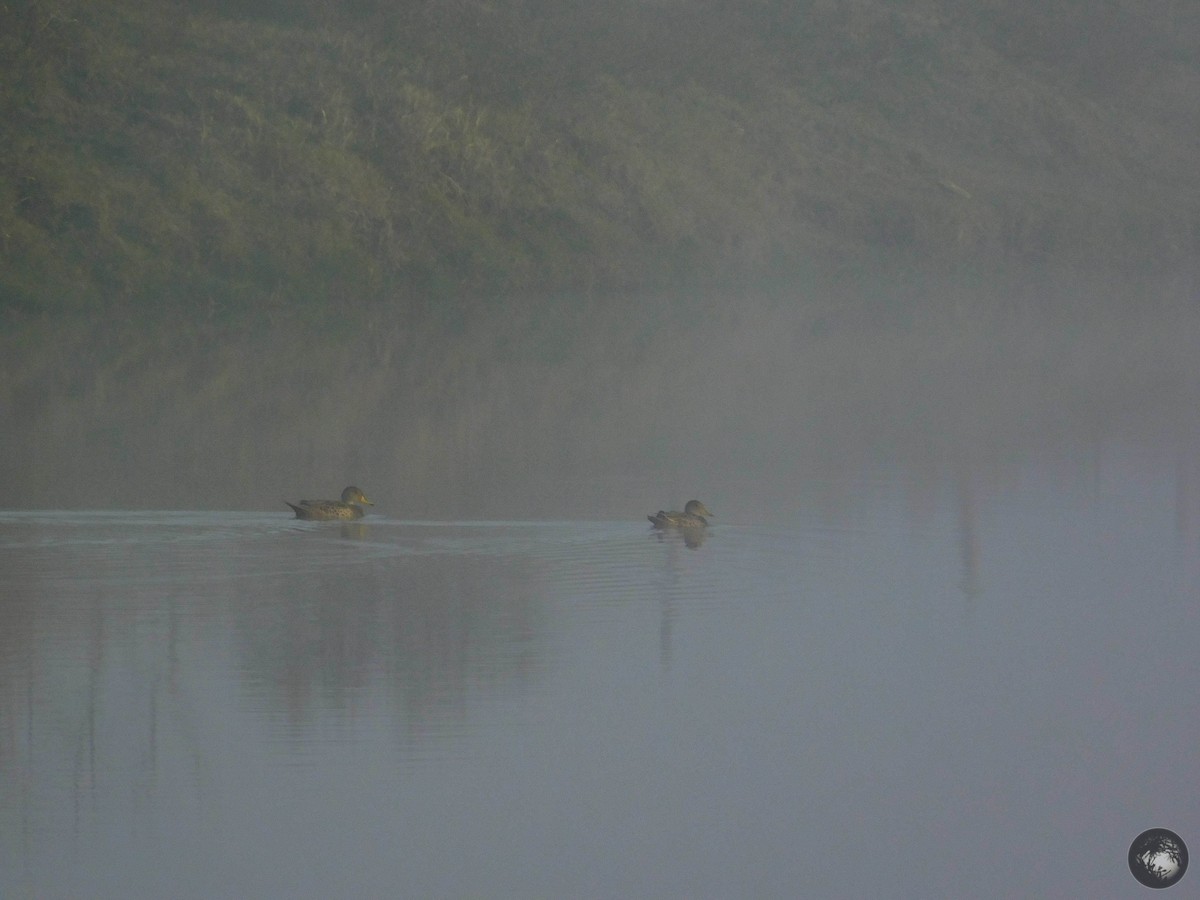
x=1158, y=858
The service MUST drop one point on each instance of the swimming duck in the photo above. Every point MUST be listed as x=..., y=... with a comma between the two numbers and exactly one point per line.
x=349, y=507
x=692, y=517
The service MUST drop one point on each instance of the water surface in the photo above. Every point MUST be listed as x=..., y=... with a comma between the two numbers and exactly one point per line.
x=978, y=684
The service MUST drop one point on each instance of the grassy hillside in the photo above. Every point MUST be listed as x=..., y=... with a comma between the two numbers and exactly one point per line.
x=260, y=158
x=250, y=248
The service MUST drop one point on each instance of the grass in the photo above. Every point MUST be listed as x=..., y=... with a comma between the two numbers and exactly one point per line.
x=199, y=160
x=441, y=241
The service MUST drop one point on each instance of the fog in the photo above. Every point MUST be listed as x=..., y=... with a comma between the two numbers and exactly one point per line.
x=904, y=293
x=305, y=245
x=953, y=567
x=592, y=409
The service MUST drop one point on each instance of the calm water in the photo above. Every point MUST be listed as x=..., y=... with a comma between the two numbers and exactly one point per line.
x=979, y=685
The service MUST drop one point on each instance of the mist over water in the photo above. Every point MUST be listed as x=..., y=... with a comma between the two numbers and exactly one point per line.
x=602, y=408
x=202, y=704
x=942, y=613
x=940, y=637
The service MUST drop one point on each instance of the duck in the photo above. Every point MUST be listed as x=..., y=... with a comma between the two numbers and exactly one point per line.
x=349, y=507
x=693, y=516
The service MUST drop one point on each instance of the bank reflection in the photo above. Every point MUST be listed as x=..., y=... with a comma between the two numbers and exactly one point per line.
x=416, y=635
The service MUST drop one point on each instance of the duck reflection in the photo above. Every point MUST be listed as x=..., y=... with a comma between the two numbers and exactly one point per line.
x=692, y=538
x=355, y=531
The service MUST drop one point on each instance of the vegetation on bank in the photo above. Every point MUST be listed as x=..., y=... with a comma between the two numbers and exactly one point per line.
x=272, y=160
x=255, y=247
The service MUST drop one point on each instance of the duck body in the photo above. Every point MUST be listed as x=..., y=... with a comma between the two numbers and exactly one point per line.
x=693, y=516
x=349, y=507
